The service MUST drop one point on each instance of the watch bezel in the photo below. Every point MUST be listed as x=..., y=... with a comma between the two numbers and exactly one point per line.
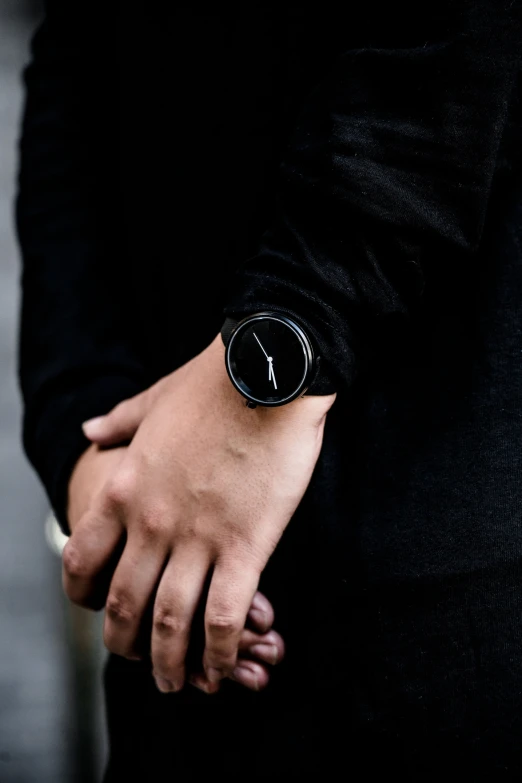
x=306, y=346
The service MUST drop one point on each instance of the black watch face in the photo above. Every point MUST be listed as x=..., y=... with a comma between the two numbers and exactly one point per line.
x=269, y=360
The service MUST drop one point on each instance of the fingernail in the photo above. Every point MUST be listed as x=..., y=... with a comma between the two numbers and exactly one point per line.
x=202, y=685
x=214, y=675
x=257, y=601
x=199, y=684
x=165, y=686
x=258, y=616
x=240, y=671
x=267, y=652
x=91, y=426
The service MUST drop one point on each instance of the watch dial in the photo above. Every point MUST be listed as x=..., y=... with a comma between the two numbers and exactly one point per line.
x=268, y=360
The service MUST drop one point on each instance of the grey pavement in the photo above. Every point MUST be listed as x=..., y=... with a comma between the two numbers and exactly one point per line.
x=50, y=730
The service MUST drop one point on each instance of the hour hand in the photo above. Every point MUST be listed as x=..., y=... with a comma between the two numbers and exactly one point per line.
x=271, y=373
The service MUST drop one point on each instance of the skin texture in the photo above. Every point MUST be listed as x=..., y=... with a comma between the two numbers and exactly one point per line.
x=203, y=492
x=260, y=647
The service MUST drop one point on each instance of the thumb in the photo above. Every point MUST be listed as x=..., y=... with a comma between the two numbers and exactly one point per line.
x=118, y=425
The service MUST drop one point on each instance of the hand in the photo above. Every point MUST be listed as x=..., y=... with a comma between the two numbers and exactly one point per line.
x=90, y=474
x=206, y=486
x=259, y=647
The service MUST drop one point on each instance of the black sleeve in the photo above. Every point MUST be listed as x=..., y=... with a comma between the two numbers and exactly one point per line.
x=388, y=175
x=74, y=363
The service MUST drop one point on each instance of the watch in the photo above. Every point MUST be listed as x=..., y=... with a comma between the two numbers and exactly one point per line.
x=270, y=358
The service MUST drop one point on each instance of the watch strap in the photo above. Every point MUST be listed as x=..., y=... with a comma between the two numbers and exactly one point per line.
x=227, y=329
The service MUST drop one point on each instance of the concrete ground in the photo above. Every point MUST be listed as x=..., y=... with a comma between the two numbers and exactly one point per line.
x=50, y=654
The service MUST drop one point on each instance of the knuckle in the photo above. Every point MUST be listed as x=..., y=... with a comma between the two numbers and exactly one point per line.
x=222, y=624
x=74, y=563
x=152, y=524
x=121, y=489
x=167, y=624
x=190, y=531
x=253, y=554
x=120, y=610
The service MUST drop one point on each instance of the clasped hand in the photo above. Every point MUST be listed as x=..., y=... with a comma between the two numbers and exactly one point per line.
x=204, y=493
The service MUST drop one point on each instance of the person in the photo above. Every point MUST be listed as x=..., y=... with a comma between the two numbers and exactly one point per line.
x=272, y=264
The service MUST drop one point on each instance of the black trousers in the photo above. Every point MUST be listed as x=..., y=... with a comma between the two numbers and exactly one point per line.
x=422, y=707
x=403, y=632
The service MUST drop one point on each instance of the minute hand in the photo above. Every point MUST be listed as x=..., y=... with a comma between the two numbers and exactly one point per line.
x=259, y=341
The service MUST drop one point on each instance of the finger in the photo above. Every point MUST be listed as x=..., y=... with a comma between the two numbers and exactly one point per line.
x=176, y=601
x=130, y=592
x=261, y=613
x=91, y=551
x=230, y=595
x=200, y=681
x=252, y=675
x=120, y=424
x=266, y=648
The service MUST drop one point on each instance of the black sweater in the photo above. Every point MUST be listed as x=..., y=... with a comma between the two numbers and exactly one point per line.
x=362, y=170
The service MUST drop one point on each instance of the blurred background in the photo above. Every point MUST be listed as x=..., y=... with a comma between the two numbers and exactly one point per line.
x=51, y=659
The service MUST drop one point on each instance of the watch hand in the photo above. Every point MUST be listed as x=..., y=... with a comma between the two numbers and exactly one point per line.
x=271, y=371
x=271, y=374
x=259, y=341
